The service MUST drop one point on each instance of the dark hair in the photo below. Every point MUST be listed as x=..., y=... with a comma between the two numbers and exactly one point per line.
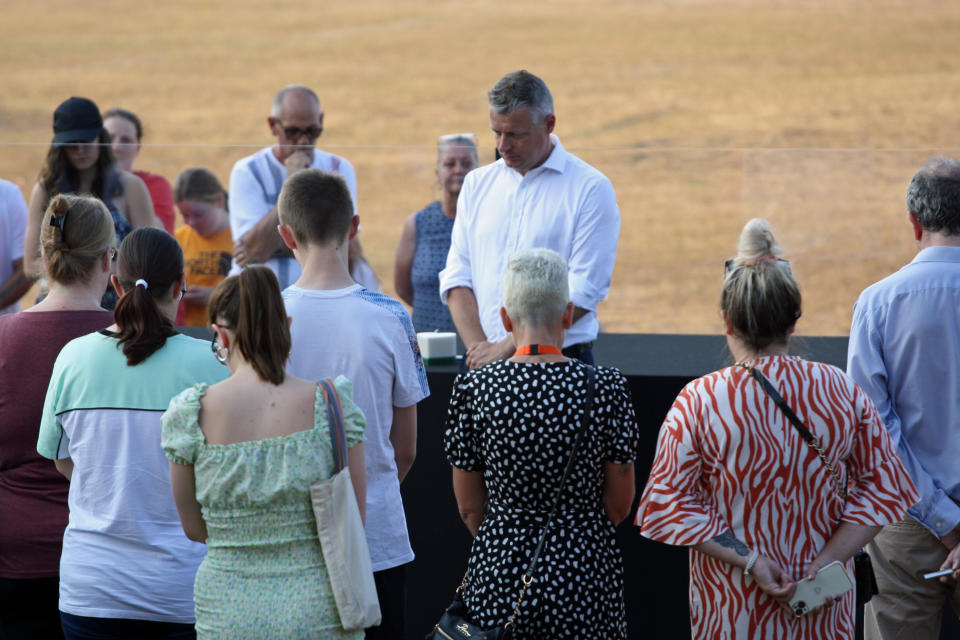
x=57, y=167
x=316, y=205
x=129, y=116
x=250, y=304
x=151, y=255
x=934, y=196
x=75, y=233
x=760, y=297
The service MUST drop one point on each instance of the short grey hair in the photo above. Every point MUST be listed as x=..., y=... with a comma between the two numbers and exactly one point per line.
x=277, y=107
x=521, y=89
x=934, y=196
x=536, y=287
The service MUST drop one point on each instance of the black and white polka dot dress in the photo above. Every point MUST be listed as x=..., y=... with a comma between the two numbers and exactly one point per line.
x=516, y=423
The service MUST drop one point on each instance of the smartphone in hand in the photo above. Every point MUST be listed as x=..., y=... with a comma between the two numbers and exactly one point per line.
x=830, y=582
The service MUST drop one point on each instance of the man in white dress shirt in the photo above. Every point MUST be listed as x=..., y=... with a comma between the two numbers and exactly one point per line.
x=296, y=119
x=537, y=195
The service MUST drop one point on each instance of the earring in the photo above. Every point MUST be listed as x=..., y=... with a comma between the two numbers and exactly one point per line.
x=220, y=353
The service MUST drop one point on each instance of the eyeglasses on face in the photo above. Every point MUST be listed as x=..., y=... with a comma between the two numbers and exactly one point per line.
x=294, y=133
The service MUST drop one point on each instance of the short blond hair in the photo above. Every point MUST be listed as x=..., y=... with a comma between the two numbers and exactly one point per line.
x=536, y=287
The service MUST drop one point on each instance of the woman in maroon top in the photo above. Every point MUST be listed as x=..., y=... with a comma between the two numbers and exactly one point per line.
x=77, y=240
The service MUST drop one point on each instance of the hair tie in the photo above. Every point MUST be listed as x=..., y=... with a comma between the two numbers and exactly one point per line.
x=141, y=282
x=63, y=248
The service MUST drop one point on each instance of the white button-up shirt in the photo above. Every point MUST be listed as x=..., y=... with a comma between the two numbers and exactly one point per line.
x=564, y=205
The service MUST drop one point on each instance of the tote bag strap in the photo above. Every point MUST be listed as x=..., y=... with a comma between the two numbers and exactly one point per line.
x=338, y=437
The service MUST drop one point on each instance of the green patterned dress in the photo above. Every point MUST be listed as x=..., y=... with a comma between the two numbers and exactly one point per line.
x=264, y=575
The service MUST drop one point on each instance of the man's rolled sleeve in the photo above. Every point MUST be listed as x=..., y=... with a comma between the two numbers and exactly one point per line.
x=594, y=249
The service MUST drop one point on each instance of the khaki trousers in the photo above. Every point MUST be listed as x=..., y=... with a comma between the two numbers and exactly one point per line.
x=907, y=607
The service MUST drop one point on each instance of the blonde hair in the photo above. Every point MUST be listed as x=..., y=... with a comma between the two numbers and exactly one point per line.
x=760, y=297
x=75, y=233
x=535, y=288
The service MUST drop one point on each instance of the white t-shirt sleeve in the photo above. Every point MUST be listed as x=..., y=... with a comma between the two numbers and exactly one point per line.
x=247, y=199
x=16, y=222
x=409, y=377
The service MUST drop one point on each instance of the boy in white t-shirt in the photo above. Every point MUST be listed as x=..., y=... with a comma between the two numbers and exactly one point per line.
x=339, y=327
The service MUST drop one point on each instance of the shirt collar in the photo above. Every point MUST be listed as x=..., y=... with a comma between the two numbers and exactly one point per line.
x=937, y=254
x=556, y=161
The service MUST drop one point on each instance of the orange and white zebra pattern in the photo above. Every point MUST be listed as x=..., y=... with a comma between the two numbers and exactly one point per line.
x=728, y=458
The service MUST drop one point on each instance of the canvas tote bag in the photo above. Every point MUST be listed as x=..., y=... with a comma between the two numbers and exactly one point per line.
x=340, y=530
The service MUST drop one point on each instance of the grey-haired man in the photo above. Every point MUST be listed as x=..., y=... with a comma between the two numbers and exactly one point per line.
x=537, y=195
x=905, y=352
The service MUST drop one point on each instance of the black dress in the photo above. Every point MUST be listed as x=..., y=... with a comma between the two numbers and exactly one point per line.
x=516, y=423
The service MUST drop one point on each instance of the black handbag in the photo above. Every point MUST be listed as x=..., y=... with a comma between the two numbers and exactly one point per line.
x=453, y=624
x=864, y=578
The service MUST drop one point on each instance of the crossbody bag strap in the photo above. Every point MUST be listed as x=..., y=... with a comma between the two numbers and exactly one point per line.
x=812, y=441
x=338, y=436
x=584, y=422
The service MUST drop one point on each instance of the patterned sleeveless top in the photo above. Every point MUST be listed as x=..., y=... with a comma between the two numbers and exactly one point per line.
x=433, y=244
x=112, y=188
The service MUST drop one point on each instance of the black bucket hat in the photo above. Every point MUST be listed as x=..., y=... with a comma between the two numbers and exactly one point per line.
x=76, y=120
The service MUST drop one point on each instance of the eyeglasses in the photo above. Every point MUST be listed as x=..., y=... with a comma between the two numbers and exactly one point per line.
x=730, y=263
x=457, y=137
x=293, y=133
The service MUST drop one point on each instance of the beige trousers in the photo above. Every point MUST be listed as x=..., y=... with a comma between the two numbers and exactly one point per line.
x=907, y=607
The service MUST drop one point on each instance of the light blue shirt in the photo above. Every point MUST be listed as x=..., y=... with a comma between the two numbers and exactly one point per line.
x=905, y=352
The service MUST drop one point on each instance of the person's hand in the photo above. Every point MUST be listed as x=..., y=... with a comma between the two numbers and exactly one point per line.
x=240, y=253
x=197, y=296
x=951, y=540
x=772, y=580
x=298, y=160
x=486, y=352
x=952, y=562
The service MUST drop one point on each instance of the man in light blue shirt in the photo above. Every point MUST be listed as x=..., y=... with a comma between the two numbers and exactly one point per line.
x=905, y=352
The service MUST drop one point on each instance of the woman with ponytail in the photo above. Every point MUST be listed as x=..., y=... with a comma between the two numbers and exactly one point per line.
x=77, y=241
x=243, y=454
x=736, y=482
x=126, y=570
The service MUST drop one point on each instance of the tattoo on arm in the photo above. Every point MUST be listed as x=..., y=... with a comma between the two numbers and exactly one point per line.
x=727, y=539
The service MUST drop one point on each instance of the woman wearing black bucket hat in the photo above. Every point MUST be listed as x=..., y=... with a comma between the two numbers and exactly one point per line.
x=80, y=161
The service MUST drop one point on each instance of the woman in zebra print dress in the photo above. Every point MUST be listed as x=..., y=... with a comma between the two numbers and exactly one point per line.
x=734, y=481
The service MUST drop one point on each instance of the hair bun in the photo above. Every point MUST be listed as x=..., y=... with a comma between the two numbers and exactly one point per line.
x=757, y=240
x=59, y=206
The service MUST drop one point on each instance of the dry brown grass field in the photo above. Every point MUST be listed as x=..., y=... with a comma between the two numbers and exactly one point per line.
x=704, y=113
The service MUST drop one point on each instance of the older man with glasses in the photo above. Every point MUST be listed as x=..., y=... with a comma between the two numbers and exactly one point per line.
x=296, y=120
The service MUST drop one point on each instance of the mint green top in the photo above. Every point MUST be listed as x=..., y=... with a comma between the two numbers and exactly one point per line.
x=264, y=575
